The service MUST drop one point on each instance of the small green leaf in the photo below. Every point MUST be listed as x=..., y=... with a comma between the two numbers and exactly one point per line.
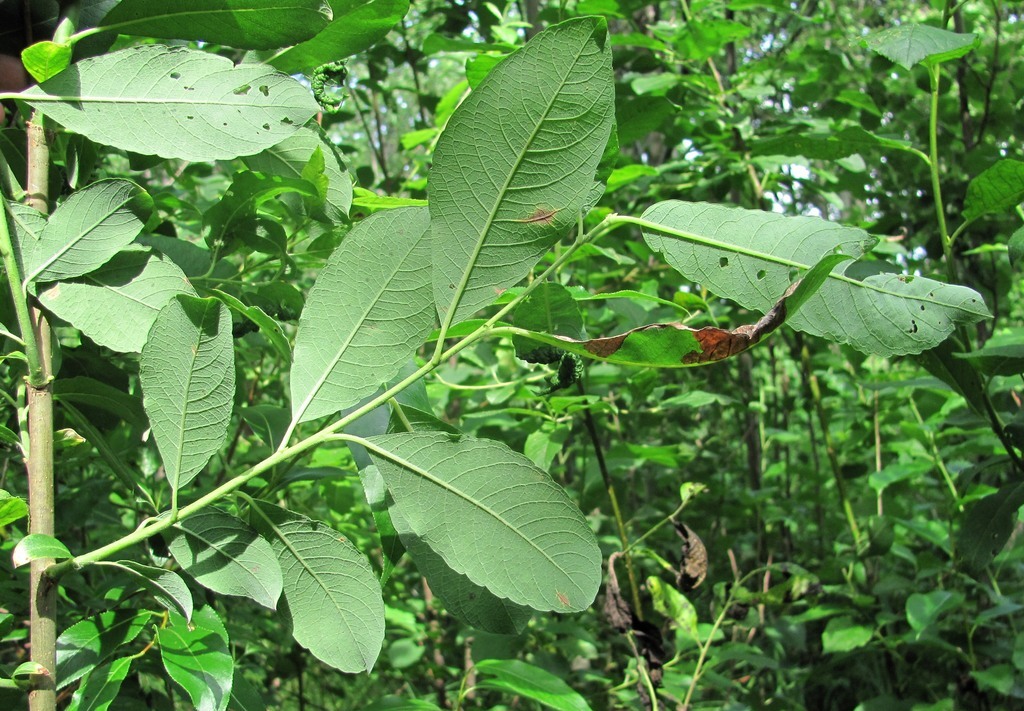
x=166, y=587
x=269, y=423
x=246, y=24
x=842, y=634
x=117, y=304
x=87, y=230
x=488, y=234
x=1002, y=354
x=46, y=59
x=998, y=189
x=187, y=373
x=227, y=556
x=38, y=545
x=369, y=202
x=334, y=602
x=521, y=679
x=988, y=525
x=175, y=102
x=1016, y=248
x=87, y=644
x=924, y=609
x=244, y=696
x=196, y=655
x=540, y=551
x=366, y=315
x=12, y=508
x=101, y=687
x=674, y=605
x=236, y=210
x=909, y=44
x=95, y=396
x=356, y=26
x=847, y=142
x=268, y=326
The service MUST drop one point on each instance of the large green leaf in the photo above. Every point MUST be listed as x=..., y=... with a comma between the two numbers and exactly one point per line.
x=505, y=524
x=751, y=257
x=227, y=556
x=237, y=208
x=357, y=25
x=368, y=312
x=248, y=24
x=175, y=102
x=117, y=304
x=334, y=602
x=196, y=655
x=87, y=230
x=998, y=189
x=909, y=44
x=187, y=373
x=830, y=146
x=87, y=644
x=987, y=526
x=101, y=687
x=290, y=157
x=506, y=184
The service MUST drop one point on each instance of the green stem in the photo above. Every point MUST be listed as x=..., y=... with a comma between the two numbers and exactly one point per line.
x=933, y=159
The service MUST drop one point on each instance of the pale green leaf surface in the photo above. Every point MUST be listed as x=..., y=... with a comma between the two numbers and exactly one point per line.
x=998, y=189
x=196, y=655
x=117, y=304
x=751, y=257
x=38, y=545
x=46, y=59
x=175, y=103
x=12, y=508
x=505, y=185
x=357, y=26
x=247, y=24
x=88, y=229
x=468, y=602
x=493, y=517
x=101, y=687
x=843, y=634
x=521, y=679
x=332, y=595
x=27, y=234
x=86, y=644
x=909, y=44
x=226, y=555
x=187, y=373
x=290, y=156
x=166, y=587
x=366, y=315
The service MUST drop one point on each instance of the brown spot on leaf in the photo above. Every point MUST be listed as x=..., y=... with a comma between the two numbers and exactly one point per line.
x=562, y=598
x=541, y=215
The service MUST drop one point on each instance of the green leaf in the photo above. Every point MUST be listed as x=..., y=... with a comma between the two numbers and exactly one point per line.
x=196, y=655
x=369, y=202
x=539, y=161
x=987, y=527
x=674, y=605
x=94, y=395
x=621, y=177
x=167, y=588
x=847, y=142
x=38, y=545
x=996, y=190
x=550, y=309
x=12, y=508
x=28, y=226
x=393, y=703
x=357, y=26
x=87, y=230
x=539, y=552
x=267, y=422
x=101, y=687
x=842, y=634
x=237, y=208
x=392, y=548
x=289, y=158
x=87, y=644
x=521, y=679
x=175, y=103
x=946, y=363
x=244, y=696
x=909, y=44
x=925, y=609
x=750, y=257
x=246, y=24
x=187, y=373
x=46, y=59
x=227, y=556
x=117, y=304
x=466, y=601
x=1016, y=248
x=268, y=326
x=366, y=315
x=1002, y=354
x=334, y=601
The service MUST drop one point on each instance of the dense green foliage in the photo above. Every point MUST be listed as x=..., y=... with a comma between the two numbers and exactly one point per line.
x=574, y=355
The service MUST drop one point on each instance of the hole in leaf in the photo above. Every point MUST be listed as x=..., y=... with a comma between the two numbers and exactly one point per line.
x=761, y=274
x=723, y=262
x=266, y=126
x=175, y=75
x=264, y=89
x=287, y=121
x=190, y=117
x=913, y=326
x=242, y=90
x=922, y=307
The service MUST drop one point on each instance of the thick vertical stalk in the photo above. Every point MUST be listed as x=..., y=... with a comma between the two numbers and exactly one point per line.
x=42, y=589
